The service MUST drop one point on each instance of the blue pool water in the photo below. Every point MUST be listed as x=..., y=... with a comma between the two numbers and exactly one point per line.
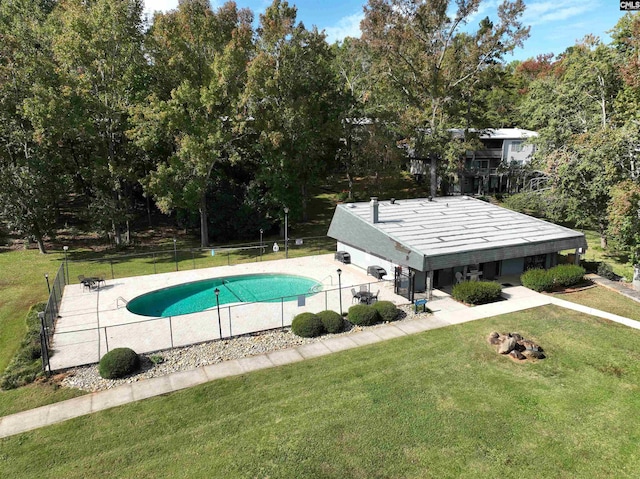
x=198, y=296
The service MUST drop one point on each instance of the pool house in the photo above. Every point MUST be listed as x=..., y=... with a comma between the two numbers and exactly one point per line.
x=426, y=243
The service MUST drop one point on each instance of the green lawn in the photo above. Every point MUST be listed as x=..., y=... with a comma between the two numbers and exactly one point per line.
x=605, y=300
x=619, y=264
x=438, y=404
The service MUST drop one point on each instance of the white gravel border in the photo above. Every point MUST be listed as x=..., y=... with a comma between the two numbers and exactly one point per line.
x=87, y=378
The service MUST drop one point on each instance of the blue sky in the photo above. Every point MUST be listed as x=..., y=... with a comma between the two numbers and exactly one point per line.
x=555, y=25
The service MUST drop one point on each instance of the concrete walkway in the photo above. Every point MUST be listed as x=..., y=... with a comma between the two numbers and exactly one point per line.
x=615, y=286
x=446, y=312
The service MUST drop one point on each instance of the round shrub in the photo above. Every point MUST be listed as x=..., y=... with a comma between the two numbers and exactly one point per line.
x=332, y=321
x=307, y=325
x=387, y=310
x=537, y=279
x=118, y=363
x=477, y=292
x=566, y=275
x=363, y=315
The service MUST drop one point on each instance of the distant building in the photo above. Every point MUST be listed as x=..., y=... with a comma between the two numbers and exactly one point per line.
x=493, y=168
x=427, y=243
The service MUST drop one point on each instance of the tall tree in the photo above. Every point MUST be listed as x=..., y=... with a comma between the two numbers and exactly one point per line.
x=424, y=55
x=200, y=119
x=293, y=96
x=31, y=182
x=97, y=46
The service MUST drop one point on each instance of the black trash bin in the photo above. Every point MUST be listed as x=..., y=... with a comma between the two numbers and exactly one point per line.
x=376, y=271
x=343, y=257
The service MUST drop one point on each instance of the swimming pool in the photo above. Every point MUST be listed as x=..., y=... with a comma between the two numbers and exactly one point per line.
x=200, y=295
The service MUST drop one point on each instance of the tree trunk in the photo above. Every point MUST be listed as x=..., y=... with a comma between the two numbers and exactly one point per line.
x=204, y=226
x=603, y=241
x=303, y=191
x=41, y=246
x=434, y=177
x=350, y=183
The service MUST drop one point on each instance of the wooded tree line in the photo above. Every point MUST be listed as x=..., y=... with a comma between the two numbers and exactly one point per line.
x=223, y=123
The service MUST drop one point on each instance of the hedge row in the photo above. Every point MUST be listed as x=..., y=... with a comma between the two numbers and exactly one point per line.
x=563, y=275
x=477, y=292
x=26, y=365
x=309, y=325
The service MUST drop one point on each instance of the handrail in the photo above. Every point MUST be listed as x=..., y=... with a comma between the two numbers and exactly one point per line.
x=118, y=301
x=330, y=277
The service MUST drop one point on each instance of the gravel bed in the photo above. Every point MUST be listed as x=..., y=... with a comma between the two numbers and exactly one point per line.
x=87, y=378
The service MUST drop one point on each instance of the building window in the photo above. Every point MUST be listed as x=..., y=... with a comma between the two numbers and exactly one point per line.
x=517, y=146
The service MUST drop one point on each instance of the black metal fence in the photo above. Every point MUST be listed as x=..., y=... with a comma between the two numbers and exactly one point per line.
x=179, y=259
x=49, y=315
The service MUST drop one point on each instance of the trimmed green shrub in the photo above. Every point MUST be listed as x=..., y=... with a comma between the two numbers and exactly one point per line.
x=537, y=279
x=477, y=292
x=26, y=365
x=567, y=274
x=307, y=325
x=363, y=315
x=563, y=275
x=387, y=310
x=118, y=363
x=332, y=321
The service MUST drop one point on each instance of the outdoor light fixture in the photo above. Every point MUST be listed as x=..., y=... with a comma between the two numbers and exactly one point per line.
x=66, y=264
x=339, y=271
x=46, y=276
x=261, y=232
x=286, y=232
x=217, y=291
x=175, y=253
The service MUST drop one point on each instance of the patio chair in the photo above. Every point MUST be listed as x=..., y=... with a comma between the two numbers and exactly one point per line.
x=101, y=280
x=458, y=277
x=374, y=298
x=364, y=288
x=84, y=282
x=356, y=295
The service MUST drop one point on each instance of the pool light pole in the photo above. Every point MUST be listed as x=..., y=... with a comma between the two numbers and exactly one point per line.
x=217, y=291
x=66, y=264
x=340, y=289
x=261, y=232
x=46, y=276
x=175, y=253
x=286, y=232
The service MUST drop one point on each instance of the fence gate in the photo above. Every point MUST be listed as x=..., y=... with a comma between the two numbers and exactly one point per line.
x=404, y=282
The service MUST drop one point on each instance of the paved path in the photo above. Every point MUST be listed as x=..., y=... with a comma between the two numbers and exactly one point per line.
x=446, y=313
x=616, y=286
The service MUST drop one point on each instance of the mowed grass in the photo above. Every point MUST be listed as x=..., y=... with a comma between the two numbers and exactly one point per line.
x=605, y=299
x=433, y=405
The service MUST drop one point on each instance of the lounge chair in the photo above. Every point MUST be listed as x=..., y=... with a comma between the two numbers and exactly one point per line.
x=85, y=283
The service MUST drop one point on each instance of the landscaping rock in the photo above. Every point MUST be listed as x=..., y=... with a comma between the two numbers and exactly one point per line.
x=515, y=354
x=507, y=345
x=517, y=347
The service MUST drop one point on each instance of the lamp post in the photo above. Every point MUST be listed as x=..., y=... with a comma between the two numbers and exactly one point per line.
x=46, y=276
x=286, y=232
x=66, y=264
x=340, y=289
x=261, y=232
x=175, y=253
x=217, y=291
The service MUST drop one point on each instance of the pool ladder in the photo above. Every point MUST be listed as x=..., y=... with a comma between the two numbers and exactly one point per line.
x=120, y=298
x=330, y=277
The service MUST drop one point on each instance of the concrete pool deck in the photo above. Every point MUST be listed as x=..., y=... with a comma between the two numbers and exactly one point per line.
x=94, y=321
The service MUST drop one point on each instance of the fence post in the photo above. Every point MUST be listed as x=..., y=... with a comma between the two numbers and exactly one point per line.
x=106, y=339
x=171, y=331
x=282, y=312
x=230, y=333
x=193, y=258
x=111, y=263
x=154, y=263
x=228, y=260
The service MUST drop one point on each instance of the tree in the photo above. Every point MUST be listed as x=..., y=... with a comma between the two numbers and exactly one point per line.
x=293, y=96
x=31, y=182
x=97, y=47
x=624, y=222
x=424, y=56
x=201, y=120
